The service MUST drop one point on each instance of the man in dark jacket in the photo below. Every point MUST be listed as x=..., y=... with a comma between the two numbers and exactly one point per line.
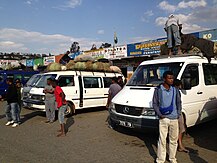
x=167, y=104
x=12, y=107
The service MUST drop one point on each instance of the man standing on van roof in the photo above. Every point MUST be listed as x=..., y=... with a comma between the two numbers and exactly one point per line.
x=49, y=102
x=173, y=28
x=167, y=104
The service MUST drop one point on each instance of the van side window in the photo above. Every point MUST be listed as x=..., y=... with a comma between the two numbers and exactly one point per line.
x=1, y=78
x=107, y=82
x=92, y=82
x=192, y=69
x=210, y=73
x=10, y=76
x=65, y=81
x=17, y=76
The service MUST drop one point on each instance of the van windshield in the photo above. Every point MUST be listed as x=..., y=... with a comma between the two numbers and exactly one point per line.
x=152, y=75
x=43, y=80
x=31, y=82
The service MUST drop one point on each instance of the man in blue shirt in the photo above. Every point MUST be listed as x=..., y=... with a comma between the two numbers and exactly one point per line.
x=167, y=104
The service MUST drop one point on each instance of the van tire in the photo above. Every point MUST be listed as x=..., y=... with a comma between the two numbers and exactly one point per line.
x=70, y=110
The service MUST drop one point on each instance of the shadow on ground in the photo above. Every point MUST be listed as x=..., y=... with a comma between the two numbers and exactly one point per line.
x=149, y=138
x=2, y=116
x=28, y=116
x=205, y=135
x=69, y=122
x=88, y=110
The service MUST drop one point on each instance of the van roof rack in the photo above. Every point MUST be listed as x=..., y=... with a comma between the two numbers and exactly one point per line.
x=183, y=55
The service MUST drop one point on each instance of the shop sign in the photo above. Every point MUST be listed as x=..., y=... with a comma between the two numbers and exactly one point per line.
x=209, y=35
x=48, y=60
x=150, y=47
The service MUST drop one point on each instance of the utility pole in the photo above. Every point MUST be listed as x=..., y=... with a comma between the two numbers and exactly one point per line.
x=114, y=43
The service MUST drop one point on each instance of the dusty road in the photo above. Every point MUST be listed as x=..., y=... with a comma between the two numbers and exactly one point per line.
x=89, y=140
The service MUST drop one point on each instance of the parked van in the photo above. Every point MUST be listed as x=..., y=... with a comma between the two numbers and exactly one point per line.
x=83, y=89
x=30, y=83
x=132, y=106
x=14, y=74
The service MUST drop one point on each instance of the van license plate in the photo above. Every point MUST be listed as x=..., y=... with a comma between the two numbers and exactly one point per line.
x=126, y=124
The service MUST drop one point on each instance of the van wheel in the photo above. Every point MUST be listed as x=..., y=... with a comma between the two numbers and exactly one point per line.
x=70, y=110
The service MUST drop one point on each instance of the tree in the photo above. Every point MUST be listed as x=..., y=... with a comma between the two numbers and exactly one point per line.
x=105, y=45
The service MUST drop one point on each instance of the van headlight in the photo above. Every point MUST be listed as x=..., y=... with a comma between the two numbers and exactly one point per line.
x=42, y=98
x=148, y=111
x=112, y=106
x=29, y=95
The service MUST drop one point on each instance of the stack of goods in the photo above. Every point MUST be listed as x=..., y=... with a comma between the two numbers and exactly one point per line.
x=84, y=64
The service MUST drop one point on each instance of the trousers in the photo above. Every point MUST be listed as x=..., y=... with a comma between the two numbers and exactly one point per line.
x=12, y=112
x=173, y=34
x=50, y=107
x=171, y=127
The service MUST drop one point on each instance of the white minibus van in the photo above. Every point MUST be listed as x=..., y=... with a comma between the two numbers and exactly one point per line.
x=83, y=89
x=132, y=106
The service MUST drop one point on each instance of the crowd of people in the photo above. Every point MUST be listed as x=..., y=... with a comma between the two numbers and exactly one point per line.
x=54, y=98
x=166, y=102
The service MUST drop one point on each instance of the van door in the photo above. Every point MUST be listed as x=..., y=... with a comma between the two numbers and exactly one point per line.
x=194, y=98
x=107, y=81
x=93, y=93
x=210, y=82
x=70, y=87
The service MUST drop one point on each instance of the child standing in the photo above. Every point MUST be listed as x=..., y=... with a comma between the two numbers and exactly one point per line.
x=61, y=105
x=181, y=148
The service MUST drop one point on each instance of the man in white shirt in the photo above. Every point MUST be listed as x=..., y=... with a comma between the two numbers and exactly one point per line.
x=172, y=27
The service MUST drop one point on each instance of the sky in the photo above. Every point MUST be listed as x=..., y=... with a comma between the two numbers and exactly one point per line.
x=51, y=26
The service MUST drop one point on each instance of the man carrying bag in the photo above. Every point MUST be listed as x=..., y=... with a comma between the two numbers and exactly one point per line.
x=167, y=104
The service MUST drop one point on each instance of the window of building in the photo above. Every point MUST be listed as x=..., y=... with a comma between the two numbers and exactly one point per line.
x=1, y=78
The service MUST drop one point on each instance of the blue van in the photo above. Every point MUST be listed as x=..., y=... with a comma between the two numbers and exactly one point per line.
x=14, y=74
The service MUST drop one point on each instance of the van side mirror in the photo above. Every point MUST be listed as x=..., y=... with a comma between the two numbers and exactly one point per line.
x=186, y=81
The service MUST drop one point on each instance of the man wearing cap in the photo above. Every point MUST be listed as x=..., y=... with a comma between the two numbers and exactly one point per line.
x=173, y=27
